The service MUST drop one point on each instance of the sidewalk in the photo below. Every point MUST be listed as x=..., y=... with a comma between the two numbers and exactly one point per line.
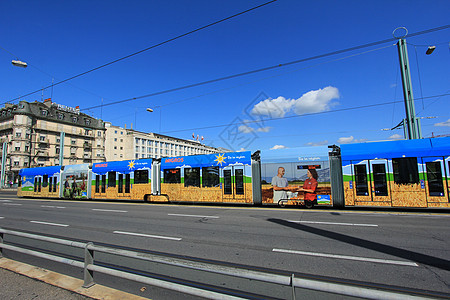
x=21, y=281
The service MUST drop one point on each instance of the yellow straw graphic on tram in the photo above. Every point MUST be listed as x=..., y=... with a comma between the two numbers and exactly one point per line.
x=220, y=159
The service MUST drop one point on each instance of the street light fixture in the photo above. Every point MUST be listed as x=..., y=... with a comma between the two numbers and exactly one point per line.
x=149, y=110
x=19, y=63
x=430, y=50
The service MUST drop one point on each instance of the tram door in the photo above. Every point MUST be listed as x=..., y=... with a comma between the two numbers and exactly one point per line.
x=233, y=183
x=436, y=180
x=37, y=185
x=362, y=191
x=379, y=181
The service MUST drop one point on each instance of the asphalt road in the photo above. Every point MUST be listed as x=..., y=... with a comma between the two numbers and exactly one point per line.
x=402, y=250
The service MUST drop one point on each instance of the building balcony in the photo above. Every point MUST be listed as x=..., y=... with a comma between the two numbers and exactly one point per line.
x=42, y=153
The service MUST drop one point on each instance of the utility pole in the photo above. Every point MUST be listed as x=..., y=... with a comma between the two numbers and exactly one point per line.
x=411, y=122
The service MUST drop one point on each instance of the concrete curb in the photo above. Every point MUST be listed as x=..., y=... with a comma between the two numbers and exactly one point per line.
x=66, y=282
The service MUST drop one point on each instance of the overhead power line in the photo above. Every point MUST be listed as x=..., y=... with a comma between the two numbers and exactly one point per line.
x=246, y=122
x=266, y=68
x=149, y=48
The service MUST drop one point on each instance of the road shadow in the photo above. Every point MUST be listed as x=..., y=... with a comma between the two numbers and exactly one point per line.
x=420, y=258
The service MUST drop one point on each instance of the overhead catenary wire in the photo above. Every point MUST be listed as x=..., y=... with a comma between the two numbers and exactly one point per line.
x=149, y=48
x=265, y=68
x=230, y=76
x=303, y=115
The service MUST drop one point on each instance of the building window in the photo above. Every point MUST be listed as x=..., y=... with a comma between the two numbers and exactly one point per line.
x=87, y=122
x=18, y=134
x=44, y=113
x=137, y=148
x=121, y=148
x=16, y=163
x=42, y=138
x=121, y=132
x=121, y=140
x=99, y=133
x=27, y=135
x=17, y=148
x=73, y=142
x=115, y=139
x=60, y=116
x=115, y=131
x=115, y=147
x=27, y=148
x=74, y=119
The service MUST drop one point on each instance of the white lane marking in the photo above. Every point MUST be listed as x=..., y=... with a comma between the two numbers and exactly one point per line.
x=110, y=210
x=332, y=223
x=148, y=235
x=51, y=206
x=358, y=258
x=2, y=217
x=15, y=204
x=5, y=200
x=195, y=216
x=51, y=224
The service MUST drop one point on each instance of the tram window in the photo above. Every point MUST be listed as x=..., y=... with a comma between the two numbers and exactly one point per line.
x=172, y=176
x=210, y=177
x=55, y=179
x=362, y=188
x=120, y=183
x=35, y=184
x=239, y=178
x=19, y=183
x=379, y=179
x=127, y=183
x=227, y=185
x=50, y=185
x=97, y=183
x=45, y=181
x=111, y=179
x=434, y=175
x=103, y=183
x=405, y=170
x=141, y=176
x=192, y=177
x=39, y=184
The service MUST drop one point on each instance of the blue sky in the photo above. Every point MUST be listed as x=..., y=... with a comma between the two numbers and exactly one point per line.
x=311, y=101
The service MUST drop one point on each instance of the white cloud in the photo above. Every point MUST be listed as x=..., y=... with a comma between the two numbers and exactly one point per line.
x=310, y=102
x=446, y=123
x=316, y=101
x=345, y=140
x=396, y=137
x=349, y=140
x=264, y=129
x=245, y=129
x=321, y=143
x=276, y=147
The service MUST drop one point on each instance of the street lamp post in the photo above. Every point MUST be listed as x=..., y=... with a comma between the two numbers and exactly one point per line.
x=21, y=64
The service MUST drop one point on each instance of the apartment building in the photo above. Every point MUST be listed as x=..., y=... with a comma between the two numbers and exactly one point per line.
x=32, y=133
x=123, y=144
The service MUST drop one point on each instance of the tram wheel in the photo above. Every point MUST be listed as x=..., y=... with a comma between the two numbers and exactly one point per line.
x=309, y=204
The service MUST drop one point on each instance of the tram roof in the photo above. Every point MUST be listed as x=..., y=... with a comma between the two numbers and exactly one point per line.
x=40, y=171
x=395, y=149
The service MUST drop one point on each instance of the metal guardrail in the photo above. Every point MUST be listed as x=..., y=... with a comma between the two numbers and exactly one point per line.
x=90, y=267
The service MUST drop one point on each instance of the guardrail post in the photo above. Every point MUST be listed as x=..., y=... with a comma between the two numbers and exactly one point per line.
x=88, y=260
x=1, y=242
x=293, y=286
